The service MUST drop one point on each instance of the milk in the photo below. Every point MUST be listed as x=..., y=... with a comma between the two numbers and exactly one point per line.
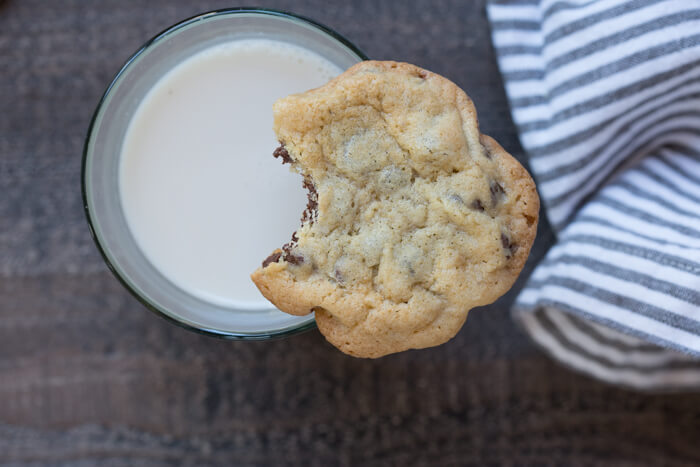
x=202, y=195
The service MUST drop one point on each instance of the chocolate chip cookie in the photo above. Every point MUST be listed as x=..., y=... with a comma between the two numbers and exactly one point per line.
x=414, y=217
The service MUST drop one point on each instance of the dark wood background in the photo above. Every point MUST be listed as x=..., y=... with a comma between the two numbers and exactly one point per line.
x=89, y=377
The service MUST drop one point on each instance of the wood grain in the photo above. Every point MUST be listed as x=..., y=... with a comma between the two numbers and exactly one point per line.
x=89, y=377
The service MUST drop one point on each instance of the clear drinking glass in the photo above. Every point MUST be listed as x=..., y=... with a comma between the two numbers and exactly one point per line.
x=100, y=172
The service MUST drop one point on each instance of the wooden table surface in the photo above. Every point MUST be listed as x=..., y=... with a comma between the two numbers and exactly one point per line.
x=89, y=377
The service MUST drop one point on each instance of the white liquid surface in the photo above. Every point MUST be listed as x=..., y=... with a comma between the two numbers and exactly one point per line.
x=201, y=192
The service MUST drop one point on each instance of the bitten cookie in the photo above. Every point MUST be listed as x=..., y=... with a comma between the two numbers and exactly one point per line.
x=413, y=218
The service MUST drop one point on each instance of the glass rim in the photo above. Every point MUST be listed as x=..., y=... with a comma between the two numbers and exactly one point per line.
x=153, y=41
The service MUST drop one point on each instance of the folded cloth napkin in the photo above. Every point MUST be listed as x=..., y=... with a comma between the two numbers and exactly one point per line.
x=606, y=98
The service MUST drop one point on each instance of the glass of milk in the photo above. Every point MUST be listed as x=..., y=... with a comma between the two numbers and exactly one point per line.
x=181, y=191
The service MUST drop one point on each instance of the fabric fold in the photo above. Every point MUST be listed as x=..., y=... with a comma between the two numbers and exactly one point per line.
x=605, y=95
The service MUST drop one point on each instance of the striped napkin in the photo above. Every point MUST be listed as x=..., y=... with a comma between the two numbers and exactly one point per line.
x=606, y=98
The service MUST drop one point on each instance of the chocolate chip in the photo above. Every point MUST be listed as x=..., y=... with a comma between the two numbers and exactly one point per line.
x=311, y=210
x=496, y=188
x=273, y=258
x=496, y=192
x=309, y=185
x=290, y=257
x=287, y=249
x=282, y=153
x=486, y=151
x=457, y=198
x=508, y=245
x=423, y=74
x=476, y=205
x=294, y=259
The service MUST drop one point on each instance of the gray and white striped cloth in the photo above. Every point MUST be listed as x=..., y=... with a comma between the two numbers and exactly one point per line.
x=606, y=98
